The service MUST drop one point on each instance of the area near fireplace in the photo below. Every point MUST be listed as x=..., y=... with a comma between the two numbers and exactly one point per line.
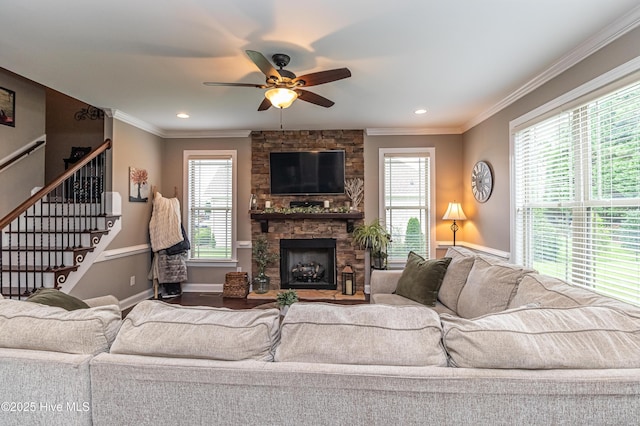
x=308, y=227
x=308, y=263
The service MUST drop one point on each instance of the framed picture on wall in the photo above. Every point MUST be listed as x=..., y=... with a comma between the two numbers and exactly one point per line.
x=138, y=185
x=7, y=107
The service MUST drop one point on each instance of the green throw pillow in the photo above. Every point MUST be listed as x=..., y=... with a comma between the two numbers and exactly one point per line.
x=421, y=279
x=53, y=297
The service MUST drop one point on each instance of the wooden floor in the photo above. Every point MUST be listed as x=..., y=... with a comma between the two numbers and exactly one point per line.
x=216, y=300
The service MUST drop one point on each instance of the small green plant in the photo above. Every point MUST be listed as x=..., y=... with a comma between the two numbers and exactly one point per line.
x=373, y=237
x=261, y=253
x=286, y=298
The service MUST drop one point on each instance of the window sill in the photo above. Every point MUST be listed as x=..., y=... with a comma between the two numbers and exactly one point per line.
x=199, y=263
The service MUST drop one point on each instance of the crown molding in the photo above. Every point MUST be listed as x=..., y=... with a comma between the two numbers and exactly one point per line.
x=135, y=122
x=195, y=134
x=609, y=34
x=397, y=131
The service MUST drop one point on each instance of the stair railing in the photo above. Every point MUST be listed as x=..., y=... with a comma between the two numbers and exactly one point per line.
x=45, y=237
x=28, y=150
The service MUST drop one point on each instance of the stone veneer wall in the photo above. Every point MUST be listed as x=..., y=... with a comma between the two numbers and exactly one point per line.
x=262, y=143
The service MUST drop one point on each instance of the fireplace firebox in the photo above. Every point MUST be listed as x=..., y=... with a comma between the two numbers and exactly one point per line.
x=308, y=263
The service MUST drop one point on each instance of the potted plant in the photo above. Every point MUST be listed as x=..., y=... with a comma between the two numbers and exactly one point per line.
x=263, y=258
x=375, y=238
x=286, y=298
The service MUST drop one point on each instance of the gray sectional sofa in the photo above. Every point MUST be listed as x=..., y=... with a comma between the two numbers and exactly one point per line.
x=503, y=345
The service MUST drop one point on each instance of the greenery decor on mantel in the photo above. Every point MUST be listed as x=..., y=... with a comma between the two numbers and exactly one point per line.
x=263, y=258
x=307, y=210
x=375, y=238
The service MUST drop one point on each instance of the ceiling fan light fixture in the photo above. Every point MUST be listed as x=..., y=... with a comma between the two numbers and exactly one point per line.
x=281, y=97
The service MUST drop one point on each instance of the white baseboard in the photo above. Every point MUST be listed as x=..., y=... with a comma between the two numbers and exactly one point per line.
x=135, y=299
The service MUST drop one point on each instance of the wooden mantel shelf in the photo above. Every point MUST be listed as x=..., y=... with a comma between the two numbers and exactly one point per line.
x=264, y=218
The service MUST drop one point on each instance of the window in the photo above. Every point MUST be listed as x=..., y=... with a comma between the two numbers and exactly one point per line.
x=577, y=193
x=406, y=197
x=211, y=182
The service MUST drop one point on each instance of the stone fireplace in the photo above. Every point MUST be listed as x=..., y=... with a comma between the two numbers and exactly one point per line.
x=312, y=227
x=308, y=263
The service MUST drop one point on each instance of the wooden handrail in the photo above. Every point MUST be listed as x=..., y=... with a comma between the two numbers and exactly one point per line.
x=18, y=156
x=5, y=221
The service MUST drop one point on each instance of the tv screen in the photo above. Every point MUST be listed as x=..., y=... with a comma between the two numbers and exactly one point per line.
x=307, y=172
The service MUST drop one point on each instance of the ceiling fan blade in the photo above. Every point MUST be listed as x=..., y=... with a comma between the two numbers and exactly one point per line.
x=265, y=105
x=322, y=77
x=211, y=83
x=264, y=64
x=314, y=98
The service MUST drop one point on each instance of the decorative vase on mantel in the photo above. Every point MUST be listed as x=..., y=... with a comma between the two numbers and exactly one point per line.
x=261, y=282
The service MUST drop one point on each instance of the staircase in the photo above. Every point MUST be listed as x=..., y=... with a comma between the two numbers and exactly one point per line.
x=47, y=238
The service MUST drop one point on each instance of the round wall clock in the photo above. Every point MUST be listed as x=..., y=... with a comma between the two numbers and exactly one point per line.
x=481, y=181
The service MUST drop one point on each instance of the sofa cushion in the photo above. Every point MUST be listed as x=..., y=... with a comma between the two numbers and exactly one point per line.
x=361, y=334
x=547, y=291
x=457, y=272
x=159, y=329
x=490, y=287
x=53, y=297
x=27, y=325
x=421, y=279
x=584, y=337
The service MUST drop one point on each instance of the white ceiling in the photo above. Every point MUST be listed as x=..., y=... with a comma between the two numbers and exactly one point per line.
x=147, y=59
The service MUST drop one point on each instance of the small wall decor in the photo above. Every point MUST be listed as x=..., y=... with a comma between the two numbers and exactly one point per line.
x=7, y=107
x=138, y=185
x=481, y=181
x=90, y=113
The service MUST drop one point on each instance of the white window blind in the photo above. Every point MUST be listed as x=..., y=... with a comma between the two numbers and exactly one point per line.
x=577, y=194
x=407, y=199
x=210, y=203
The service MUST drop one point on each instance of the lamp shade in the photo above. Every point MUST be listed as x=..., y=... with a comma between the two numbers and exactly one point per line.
x=281, y=98
x=454, y=212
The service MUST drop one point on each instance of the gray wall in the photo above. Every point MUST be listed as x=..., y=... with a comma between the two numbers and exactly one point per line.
x=131, y=147
x=448, y=174
x=488, y=223
x=17, y=181
x=173, y=174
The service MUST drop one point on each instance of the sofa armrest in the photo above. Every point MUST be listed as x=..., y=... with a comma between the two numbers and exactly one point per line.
x=384, y=281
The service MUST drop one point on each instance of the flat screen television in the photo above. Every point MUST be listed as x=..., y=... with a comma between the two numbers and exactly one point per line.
x=307, y=172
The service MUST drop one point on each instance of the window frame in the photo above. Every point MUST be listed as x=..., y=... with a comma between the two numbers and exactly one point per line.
x=429, y=152
x=605, y=84
x=213, y=154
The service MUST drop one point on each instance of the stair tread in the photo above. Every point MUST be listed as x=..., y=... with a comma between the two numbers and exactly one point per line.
x=30, y=268
x=38, y=248
x=62, y=231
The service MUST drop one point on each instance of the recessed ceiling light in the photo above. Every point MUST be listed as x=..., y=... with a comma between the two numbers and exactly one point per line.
x=183, y=115
x=420, y=111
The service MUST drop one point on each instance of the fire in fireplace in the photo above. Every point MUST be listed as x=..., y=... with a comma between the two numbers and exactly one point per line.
x=308, y=263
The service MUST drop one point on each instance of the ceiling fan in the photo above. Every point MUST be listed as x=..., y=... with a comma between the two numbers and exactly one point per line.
x=284, y=87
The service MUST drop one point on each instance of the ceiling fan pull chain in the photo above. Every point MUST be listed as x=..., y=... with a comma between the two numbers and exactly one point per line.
x=281, y=118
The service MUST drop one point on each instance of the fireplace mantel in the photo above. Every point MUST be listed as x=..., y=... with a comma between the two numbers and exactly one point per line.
x=264, y=218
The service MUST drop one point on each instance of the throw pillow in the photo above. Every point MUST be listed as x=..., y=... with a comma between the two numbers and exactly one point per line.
x=490, y=286
x=421, y=279
x=582, y=337
x=456, y=277
x=53, y=297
